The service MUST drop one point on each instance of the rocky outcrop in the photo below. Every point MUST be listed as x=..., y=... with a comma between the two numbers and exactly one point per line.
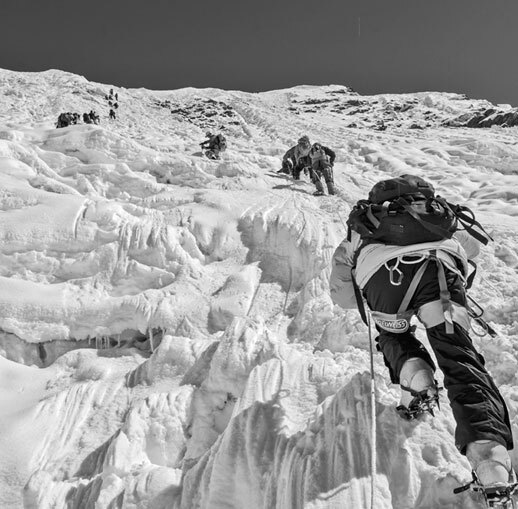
x=486, y=118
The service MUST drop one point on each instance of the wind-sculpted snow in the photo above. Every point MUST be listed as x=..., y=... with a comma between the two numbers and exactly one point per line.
x=288, y=244
x=166, y=330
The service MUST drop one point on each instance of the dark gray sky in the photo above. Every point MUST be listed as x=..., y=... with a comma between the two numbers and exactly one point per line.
x=374, y=46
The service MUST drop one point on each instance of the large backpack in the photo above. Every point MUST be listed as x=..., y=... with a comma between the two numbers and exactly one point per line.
x=405, y=210
x=222, y=142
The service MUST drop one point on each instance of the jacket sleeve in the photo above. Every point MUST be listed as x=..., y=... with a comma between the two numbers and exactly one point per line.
x=290, y=154
x=331, y=154
x=340, y=283
x=469, y=243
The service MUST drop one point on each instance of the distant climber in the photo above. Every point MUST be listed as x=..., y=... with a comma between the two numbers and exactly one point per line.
x=380, y=126
x=215, y=144
x=94, y=117
x=86, y=118
x=295, y=159
x=112, y=115
x=322, y=161
x=404, y=256
x=62, y=121
x=66, y=119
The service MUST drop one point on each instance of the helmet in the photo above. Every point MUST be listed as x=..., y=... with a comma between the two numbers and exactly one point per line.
x=316, y=146
x=208, y=133
x=304, y=140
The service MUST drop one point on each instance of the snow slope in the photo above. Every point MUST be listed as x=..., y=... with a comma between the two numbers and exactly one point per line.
x=166, y=330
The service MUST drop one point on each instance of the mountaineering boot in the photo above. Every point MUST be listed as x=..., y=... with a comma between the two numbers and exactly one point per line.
x=320, y=188
x=211, y=154
x=419, y=390
x=493, y=474
x=328, y=177
x=490, y=461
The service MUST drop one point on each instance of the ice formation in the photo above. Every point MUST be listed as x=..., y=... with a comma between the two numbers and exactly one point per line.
x=166, y=330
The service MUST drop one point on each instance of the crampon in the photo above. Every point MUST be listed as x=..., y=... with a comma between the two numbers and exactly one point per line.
x=501, y=496
x=422, y=402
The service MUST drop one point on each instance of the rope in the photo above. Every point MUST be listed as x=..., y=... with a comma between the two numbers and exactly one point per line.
x=373, y=414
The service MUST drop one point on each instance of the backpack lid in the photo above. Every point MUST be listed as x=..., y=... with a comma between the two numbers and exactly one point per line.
x=405, y=185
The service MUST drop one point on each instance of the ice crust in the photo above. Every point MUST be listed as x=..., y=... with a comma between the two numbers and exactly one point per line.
x=166, y=331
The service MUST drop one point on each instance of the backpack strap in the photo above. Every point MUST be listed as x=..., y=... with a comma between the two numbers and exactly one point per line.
x=425, y=224
x=412, y=287
x=468, y=221
x=471, y=276
x=444, y=293
x=357, y=292
x=359, y=300
x=372, y=218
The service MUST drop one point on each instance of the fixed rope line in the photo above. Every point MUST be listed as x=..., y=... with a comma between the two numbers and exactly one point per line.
x=373, y=414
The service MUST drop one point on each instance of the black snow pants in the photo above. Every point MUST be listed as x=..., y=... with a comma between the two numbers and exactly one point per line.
x=320, y=170
x=299, y=166
x=477, y=405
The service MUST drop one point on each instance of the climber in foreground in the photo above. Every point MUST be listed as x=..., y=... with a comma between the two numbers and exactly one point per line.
x=215, y=143
x=322, y=160
x=405, y=256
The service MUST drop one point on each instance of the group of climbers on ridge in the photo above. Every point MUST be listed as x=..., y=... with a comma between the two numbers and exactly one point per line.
x=315, y=159
x=112, y=99
x=69, y=118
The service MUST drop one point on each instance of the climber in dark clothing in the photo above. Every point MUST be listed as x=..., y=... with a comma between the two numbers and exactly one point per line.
x=215, y=144
x=426, y=278
x=322, y=161
x=66, y=119
x=296, y=158
x=288, y=161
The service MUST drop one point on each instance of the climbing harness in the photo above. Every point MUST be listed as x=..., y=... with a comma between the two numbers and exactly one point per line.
x=431, y=314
